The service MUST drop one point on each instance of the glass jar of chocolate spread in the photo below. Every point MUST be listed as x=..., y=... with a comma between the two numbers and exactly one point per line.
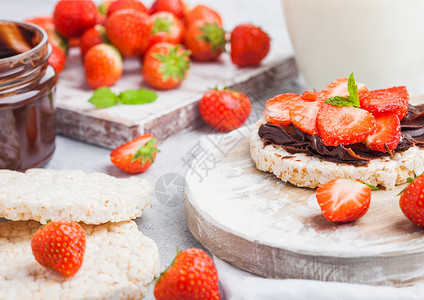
x=27, y=89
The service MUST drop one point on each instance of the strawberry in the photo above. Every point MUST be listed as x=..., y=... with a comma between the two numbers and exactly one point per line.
x=192, y=275
x=73, y=17
x=395, y=99
x=205, y=40
x=126, y=4
x=165, y=66
x=91, y=37
x=310, y=95
x=175, y=7
x=202, y=12
x=103, y=66
x=339, y=88
x=411, y=201
x=387, y=134
x=129, y=31
x=135, y=156
x=46, y=22
x=303, y=115
x=224, y=110
x=166, y=28
x=343, y=200
x=60, y=245
x=249, y=45
x=57, y=59
x=277, y=108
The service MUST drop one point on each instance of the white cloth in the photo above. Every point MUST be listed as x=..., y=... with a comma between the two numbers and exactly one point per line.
x=240, y=285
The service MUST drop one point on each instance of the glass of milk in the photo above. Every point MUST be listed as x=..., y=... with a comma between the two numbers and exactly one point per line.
x=380, y=41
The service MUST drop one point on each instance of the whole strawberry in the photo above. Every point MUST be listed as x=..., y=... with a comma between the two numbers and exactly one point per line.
x=73, y=17
x=126, y=4
x=173, y=6
x=60, y=245
x=249, y=45
x=411, y=201
x=103, y=66
x=202, y=12
x=192, y=275
x=57, y=59
x=129, y=31
x=224, y=110
x=93, y=36
x=167, y=28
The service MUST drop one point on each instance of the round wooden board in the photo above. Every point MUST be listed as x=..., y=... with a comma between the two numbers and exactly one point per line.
x=258, y=223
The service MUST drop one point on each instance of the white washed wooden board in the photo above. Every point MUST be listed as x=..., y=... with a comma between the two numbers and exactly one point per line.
x=259, y=223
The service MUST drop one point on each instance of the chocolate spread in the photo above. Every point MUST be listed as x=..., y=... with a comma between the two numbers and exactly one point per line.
x=295, y=141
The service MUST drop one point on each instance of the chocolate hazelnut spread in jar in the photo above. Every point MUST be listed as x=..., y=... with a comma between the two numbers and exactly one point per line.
x=27, y=89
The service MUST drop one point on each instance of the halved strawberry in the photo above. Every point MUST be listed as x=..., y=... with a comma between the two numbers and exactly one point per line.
x=344, y=124
x=395, y=99
x=277, y=108
x=303, y=114
x=135, y=156
x=387, y=134
x=310, y=95
x=339, y=88
x=343, y=200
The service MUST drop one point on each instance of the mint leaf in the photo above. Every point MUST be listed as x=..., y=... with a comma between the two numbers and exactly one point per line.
x=103, y=97
x=352, y=89
x=135, y=97
x=339, y=101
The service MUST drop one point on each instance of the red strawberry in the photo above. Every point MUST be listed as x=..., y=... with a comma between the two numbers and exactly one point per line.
x=411, y=201
x=343, y=200
x=310, y=95
x=165, y=66
x=387, y=134
x=135, y=156
x=202, y=12
x=192, y=275
x=249, y=45
x=166, y=28
x=91, y=37
x=103, y=66
x=277, y=108
x=46, y=22
x=129, y=31
x=173, y=6
x=339, y=88
x=224, y=110
x=60, y=245
x=205, y=40
x=303, y=115
x=395, y=99
x=344, y=125
x=73, y=17
x=126, y=4
x=57, y=59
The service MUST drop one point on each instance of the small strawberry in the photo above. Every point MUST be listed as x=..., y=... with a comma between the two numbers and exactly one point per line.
x=343, y=200
x=175, y=7
x=303, y=115
x=224, y=110
x=73, y=17
x=249, y=45
x=387, y=134
x=165, y=66
x=202, y=12
x=126, y=4
x=103, y=66
x=310, y=95
x=57, y=59
x=167, y=28
x=411, y=201
x=129, y=31
x=91, y=37
x=339, y=87
x=192, y=275
x=60, y=245
x=277, y=109
x=205, y=40
x=135, y=156
x=395, y=99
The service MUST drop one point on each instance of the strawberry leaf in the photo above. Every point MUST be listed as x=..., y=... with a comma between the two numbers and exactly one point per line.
x=162, y=25
x=214, y=35
x=103, y=98
x=137, y=97
x=146, y=152
x=339, y=101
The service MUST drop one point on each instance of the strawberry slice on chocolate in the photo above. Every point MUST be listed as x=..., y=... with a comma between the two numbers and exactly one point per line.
x=395, y=99
x=303, y=115
x=277, y=109
x=387, y=134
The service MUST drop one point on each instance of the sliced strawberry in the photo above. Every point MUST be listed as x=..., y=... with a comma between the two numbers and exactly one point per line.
x=310, y=95
x=387, y=134
x=339, y=88
x=303, y=114
x=277, y=108
x=395, y=99
x=344, y=125
x=135, y=156
x=343, y=200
